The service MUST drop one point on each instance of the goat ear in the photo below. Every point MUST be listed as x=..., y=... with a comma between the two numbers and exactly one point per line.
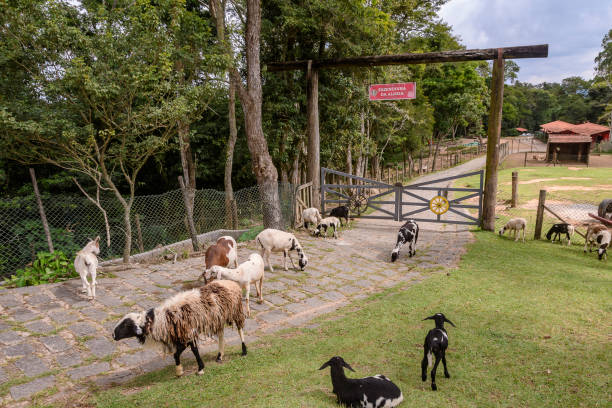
x=97, y=239
x=344, y=363
x=448, y=321
x=325, y=365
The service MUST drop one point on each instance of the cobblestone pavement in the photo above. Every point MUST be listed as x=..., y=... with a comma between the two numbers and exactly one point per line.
x=53, y=339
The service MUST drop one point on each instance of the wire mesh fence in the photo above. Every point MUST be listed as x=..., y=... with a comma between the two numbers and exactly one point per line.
x=155, y=220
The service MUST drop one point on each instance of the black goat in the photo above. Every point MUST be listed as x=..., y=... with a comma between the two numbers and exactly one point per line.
x=340, y=213
x=376, y=392
x=408, y=234
x=436, y=342
x=558, y=229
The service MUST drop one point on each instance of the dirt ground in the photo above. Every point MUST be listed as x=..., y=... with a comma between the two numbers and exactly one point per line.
x=518, y=159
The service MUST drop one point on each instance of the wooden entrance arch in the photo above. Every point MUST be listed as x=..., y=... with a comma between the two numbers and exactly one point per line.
x=494, y=125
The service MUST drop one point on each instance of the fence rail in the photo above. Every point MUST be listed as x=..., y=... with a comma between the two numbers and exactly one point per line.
x=156, y=220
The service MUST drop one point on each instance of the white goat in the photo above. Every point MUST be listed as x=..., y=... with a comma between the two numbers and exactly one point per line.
x=273, y=240
x=593, y=230
x=251, y=271
x=516, y=225
x=325, y=223
x=312, y=216
x=85, y=263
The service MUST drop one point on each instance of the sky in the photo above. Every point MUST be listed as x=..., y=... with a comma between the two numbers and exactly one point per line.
x=573, y=30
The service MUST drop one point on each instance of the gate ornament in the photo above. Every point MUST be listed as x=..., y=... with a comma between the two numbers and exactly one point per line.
x=438, y=205
x=358, y=203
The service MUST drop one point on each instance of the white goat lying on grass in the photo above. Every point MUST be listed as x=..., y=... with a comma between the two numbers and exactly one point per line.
x=251, y=271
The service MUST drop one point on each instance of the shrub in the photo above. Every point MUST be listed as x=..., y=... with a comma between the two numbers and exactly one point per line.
x=47, y=268
x=250, y=234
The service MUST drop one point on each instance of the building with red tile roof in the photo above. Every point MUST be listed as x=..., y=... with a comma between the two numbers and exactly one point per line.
x=557, y=127
x=597, y=132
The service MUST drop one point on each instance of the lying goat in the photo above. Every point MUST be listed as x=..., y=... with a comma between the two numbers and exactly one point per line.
x=558, y=229
x=408, y=234
x=376, y=392
x=436, y=342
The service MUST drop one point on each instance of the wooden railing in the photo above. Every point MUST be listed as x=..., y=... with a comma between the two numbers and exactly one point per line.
x=303, y=200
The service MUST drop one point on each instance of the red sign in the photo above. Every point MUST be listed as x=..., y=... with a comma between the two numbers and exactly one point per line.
x=382, y=92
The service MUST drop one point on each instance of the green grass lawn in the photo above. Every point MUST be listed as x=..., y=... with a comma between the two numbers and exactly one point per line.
x=533, y=326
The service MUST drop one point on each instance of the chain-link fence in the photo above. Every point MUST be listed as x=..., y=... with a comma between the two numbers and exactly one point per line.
x=155, y=220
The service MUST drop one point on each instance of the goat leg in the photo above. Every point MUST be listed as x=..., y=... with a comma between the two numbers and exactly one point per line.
x=434, y=387
x=424, y=364
x=446, y=374
x=196, y=353
x=180, y=347
x=221, y=346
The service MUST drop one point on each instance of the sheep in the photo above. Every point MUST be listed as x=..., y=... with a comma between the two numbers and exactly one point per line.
x=377, y=391
x=436, y=342
x=603, y=240
x=251, y=271
x=408, y=233
x=86, y=262
x=178, y=322
x=593, y=230
x=326, y=223
x=273, y=240
x=340, y=213
x=516, y=225
x=558, y=229
x=222, y=253
x=311, y=215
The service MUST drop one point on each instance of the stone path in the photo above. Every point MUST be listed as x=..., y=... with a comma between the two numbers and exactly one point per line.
x=53, y=339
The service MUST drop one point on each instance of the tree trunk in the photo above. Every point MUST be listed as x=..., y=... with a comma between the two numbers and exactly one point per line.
x=41, y=210
x=231, y=212
x=349, y=163
x=187, y=163
x=435, y=157
x=127, y=248
x=411, y=164
x=314, y=166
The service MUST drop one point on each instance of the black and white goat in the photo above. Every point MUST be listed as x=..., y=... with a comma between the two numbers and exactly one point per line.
x=408, y=234
x=340, y=213
x=436, y=343
x=324, y=224
x=374, y=392
x=558, y=229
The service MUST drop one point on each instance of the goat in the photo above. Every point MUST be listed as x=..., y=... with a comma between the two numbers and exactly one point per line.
x=273, y=240
x=311, y=215
x=598, y=235
x=408, y=233
x=558, y=229
x=593, y=230
x=436, y=342
x=251, y=271
x=223, y=253
x=515, y=225
x=179, y=321
x=86, y=262
x=375, y=392
x=326, y=223
x=340, y=212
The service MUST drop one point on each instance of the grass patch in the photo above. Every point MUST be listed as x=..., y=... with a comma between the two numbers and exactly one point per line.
x=250, y=234
x=532, y=326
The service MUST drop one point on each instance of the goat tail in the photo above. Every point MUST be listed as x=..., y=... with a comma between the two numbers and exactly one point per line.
x=429, y=359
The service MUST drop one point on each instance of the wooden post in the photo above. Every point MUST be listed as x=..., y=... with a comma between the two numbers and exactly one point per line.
x=525, y=164
x=493, y=134
x=540, y=215
x=41, y=210
x=192, y=230
x=314, y=167
x=138, y=232
x=514, y=189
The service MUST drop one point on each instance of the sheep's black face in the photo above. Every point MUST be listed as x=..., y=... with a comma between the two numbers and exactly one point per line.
x=602, y=252
x=303, y=262
x=394, y=256
x=126, y=328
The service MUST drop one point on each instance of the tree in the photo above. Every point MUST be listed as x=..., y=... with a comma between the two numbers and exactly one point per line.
x=603, y=68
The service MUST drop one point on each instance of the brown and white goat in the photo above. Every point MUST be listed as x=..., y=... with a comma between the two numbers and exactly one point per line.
x=222, y=253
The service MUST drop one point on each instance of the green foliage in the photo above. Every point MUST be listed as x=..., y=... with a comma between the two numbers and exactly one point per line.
x=250, y=234
x=47, y=268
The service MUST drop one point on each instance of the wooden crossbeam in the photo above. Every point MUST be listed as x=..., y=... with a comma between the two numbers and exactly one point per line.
x=525, y=51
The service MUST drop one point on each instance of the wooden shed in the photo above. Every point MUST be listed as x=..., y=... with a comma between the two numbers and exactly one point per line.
x=568, y=148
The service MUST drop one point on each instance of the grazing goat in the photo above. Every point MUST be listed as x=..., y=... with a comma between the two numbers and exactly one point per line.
x=86, y=262
x=558, y=229
x=312, y=216
x=593, y=230
x=436, y=342
x=375, y=392
x=515, y=225
x=326, y=223
x=222, y=253
x=251, y=271
x=605, y=209
x=340, y=213
x=179, y=321
x=408, y=233
x=273, y=240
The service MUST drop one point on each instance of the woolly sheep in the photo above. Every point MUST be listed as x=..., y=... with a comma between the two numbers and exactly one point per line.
x=251, y=271
x=178, y=322
x=273, y=240
x=515, y=225
x=312, y=216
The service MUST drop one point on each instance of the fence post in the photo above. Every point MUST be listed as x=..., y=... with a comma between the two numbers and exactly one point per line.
x=398, y=201
x=41, y=210
x=192, y=230
x=514, y=189
x=540, y=215
x=525, y=164
x=138, y=232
